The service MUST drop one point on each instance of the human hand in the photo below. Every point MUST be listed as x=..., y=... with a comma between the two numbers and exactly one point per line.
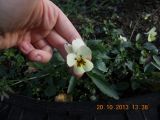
x=35, y=27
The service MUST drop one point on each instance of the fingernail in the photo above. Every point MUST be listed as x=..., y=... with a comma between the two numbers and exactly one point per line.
x=38, y=58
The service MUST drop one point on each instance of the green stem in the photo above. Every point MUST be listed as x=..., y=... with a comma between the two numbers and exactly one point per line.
x=29, y=79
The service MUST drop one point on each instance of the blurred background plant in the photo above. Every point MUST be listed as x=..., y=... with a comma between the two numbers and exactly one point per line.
x=125, y=45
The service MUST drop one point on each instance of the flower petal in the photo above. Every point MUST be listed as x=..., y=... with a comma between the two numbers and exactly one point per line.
x=124, y=39
x=71, y=59
x=85, y=52
x=154, y=33
x=76, y=44
x=152, y=30
x=68, y=48
x=88, y=65
x=151, y=38
x=78, y=70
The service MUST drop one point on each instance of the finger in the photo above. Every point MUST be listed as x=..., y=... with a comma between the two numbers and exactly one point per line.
x=24, y=45
x=57, y=41
x=64, y=27
x=44, y=49
x=32, y=53
x=40, y=43
x=39, y=56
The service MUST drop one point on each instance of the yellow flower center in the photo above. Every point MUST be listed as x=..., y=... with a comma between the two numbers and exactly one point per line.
x=80, y=61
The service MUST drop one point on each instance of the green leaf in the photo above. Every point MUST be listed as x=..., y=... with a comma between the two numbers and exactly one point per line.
x=156, y=59
x=142, y=60
x=151, y=47
x=9, y=53
x=102, y=55
x=37, y=65
x=148, y=68
x=126, y=44
x=103, y=86
x=99, y=73
x=72, y=84
x=129, y=64
x=155, y=65
x=115, y=51
x=101, y=66
x=138, y=36
x=58, y=58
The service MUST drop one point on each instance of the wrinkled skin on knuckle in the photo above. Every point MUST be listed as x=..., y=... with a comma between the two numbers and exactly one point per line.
x=48, y=19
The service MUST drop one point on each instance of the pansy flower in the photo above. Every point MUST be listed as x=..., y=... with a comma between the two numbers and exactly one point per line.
x=79, y=56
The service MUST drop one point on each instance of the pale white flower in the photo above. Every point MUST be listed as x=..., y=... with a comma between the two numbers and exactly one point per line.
x=152, y=35
x=124, y=39
x=79, y=56
x=147, y=16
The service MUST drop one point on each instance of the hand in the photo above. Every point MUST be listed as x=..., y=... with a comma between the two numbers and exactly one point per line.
x=35, y=27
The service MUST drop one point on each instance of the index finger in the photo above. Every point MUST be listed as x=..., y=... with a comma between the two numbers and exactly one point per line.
x=64, y=27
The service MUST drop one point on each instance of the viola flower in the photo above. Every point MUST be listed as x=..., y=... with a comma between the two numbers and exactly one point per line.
x=79, y=56
x=152, y=35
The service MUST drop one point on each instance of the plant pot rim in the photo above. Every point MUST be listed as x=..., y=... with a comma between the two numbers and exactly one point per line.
x=29, y=108
x=30, y=103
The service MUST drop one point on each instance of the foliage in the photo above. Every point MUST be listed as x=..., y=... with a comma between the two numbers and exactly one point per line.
x=125, y=62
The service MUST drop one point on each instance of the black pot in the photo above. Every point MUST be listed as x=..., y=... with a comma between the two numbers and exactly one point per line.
x=146, y=107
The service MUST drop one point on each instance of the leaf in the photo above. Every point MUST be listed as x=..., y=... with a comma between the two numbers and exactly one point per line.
x=156, y=62
x=9, y=53
x=115, y=51
x=102, y=55
x=129, y=64
x=138, y=36
x=103, y=86
x=37, y=65
x=148, y=67
x=127, y=44
x=156, y=59
x=58, y=58
x=99, y=73
x=72, y=84
x=142, y=60
x=101, y=66
x=155, y=65
x=152, y=30
x=151, y=47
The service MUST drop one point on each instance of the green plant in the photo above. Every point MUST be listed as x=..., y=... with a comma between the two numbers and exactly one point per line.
x=125, y=61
